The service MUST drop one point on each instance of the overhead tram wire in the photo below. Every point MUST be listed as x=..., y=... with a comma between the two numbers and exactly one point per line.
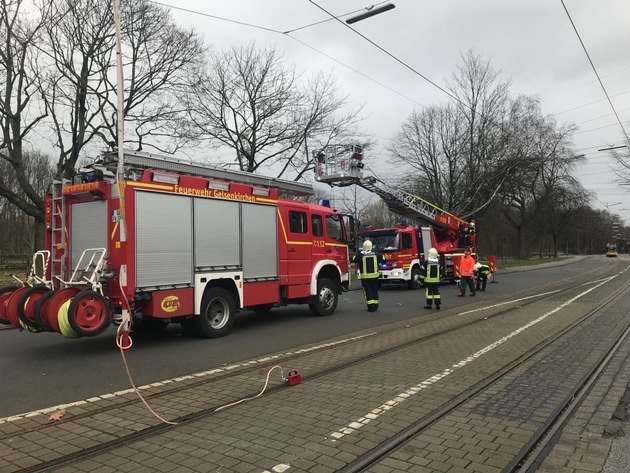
x=251, y=25
x=596, y=73
x=333, y=17
x=407, y=66
x=208, y=15
x=288, y=35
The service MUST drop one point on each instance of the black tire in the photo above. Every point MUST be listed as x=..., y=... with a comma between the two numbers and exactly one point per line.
x=415, y=282
x=149, y=325
x=218, y=312
x=22, y=305
x=88, y=305
x=39, y=307
x=326, y=298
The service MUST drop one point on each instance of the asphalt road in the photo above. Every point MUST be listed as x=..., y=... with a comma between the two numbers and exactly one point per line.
x=44, y=370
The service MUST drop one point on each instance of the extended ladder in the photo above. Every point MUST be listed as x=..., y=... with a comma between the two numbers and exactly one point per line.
x=403, y=203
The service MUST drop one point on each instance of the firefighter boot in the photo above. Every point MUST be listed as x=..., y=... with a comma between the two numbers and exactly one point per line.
x=428, y=306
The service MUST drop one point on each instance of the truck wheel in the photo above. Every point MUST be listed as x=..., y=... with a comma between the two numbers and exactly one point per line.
x=414, y=282
x=326, y=298
x=218, y=312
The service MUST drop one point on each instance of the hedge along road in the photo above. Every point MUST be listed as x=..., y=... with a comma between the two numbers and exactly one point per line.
x=44, y=370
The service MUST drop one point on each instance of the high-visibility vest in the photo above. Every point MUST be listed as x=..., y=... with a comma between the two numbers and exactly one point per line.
x=432, y=272
x=483, y=269
x=369, y=265
x=467, y=266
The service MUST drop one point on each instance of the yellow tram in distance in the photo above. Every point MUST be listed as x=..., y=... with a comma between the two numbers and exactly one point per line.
x=611, y=249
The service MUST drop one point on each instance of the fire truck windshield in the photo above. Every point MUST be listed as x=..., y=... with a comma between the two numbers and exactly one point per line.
x=383, y=242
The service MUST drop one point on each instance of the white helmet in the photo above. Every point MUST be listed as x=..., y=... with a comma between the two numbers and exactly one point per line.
x=433, y=253
x=367, y=245
x=477, y=266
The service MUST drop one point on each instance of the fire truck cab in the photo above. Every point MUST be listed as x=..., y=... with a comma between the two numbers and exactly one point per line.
x=404, y=247
x=177, y=242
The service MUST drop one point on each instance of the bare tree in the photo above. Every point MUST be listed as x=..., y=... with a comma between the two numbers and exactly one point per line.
x=17, y=228
x=483, y=100
x=429, y=142
x=377, y=214
x=545, y=160
x=250, y=102
x=459, y=150
x=20, y=112
x=559, y=212
x=79, y=87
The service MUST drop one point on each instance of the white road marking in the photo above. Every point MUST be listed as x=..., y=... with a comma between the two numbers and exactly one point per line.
x=507, y=302
x=402, y=397
x=201, y=374
x=280, y=468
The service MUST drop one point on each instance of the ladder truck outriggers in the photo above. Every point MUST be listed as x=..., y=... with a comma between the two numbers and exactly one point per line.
x=403, y=247
x=177, y=242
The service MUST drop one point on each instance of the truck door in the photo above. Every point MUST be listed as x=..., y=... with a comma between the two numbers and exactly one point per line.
x=299, y=245
x=319, y=242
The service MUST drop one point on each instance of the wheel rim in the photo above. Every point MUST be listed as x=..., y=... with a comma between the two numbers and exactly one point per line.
x=326, y=297
x=90, y=312
x=218, y=313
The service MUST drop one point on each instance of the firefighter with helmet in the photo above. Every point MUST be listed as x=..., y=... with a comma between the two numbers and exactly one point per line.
x=430, y=276
x=368, y=262
x=482, y=271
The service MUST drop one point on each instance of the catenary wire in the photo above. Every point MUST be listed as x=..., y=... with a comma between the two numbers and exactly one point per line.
x=333, y=17
x=595, y=70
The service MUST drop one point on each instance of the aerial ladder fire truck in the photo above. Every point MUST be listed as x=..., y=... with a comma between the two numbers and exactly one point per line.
x=403, y=247
x=177, y=242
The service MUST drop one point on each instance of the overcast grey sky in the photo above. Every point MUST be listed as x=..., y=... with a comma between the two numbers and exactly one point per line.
x=532, y=42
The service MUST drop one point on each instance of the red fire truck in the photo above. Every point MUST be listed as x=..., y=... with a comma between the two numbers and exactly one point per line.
x=403, y=247
x=176, y=242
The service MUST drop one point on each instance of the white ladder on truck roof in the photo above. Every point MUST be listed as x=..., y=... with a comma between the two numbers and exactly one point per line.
x=141, y=160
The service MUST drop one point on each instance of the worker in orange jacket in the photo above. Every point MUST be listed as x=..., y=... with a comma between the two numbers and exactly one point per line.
x=466, y=271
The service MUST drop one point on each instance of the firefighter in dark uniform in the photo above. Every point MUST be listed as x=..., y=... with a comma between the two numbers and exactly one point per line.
x=430, y=276
x=482, y=271
x=368, y=262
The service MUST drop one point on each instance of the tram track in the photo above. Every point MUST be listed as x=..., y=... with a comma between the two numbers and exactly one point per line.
x=501, y=306
x=154, y=430
x=533, y=453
